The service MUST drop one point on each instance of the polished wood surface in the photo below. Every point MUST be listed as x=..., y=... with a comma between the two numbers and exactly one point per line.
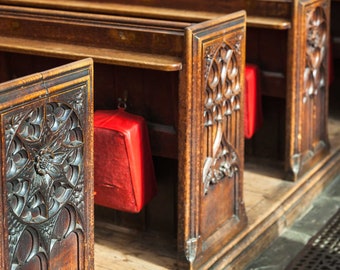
x=185, y=76
x=277, y=35
x=182, y=10
x=47, y=196
x=172, y=61
x=272, y=204
x=288, y=58
x=268, y=23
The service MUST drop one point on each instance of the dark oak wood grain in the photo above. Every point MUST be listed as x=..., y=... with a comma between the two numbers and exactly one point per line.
x=47, y=182
x=183, y=71
x=180, y=65
x=294, y=67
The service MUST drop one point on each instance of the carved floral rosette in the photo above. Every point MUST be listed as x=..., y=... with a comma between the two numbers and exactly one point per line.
x=44, y=177
x=221, y=106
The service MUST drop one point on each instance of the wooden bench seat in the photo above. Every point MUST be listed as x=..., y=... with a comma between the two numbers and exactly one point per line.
x=100, y=55
x=183, y=74
x=276, y=37
x=167, y=58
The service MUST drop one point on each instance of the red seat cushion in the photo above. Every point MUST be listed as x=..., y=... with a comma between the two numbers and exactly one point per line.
x=124, y=174
x=253, y=117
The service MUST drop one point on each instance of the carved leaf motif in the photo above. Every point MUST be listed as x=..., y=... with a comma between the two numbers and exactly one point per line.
x=44, y=162
x=78, y=100
x=44, y=171
x=30, y=129
x=16, y=159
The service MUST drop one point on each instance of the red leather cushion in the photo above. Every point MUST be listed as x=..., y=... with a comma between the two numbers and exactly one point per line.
x=253, y=117
x=124, y=174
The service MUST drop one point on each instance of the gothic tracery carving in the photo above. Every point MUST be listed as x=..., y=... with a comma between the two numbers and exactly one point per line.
x=44, y=172
x=222, y=101
x=315, y=71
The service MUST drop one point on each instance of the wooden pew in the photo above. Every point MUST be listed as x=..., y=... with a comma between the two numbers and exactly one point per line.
x=182, y=70
x=288, y=40
x=46, y=206
x=276, y=37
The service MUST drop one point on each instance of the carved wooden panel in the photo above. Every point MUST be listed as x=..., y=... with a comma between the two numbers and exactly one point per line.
x=47, y=178
x=212, y=185
x=309, y=112
x=221, y=111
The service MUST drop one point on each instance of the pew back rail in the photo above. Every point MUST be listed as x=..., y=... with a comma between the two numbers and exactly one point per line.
x=206, y=59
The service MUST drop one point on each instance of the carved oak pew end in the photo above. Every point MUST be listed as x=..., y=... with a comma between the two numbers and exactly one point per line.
x=291, y=45
x=47, y=178
x=187, y=80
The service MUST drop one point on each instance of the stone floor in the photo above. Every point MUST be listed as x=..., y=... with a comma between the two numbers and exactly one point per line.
x=278, y=255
